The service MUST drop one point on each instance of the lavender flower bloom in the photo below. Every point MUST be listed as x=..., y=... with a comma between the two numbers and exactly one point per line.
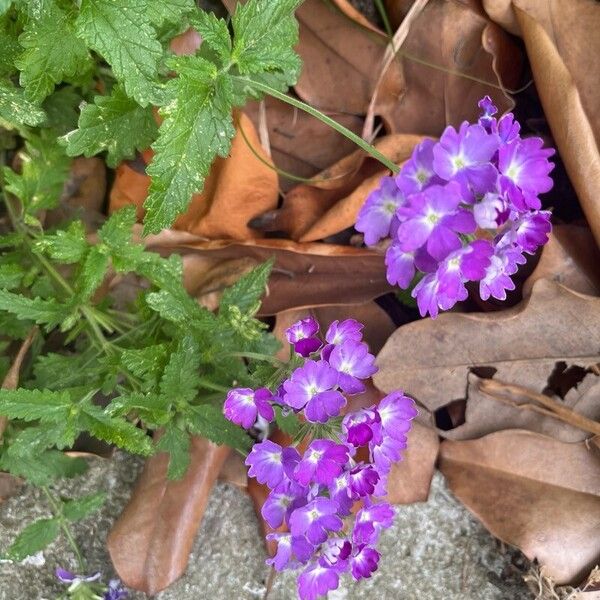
x=65, y=576
x=508, y=129
x=529, y=231
x=315, y=520
x=281, y=502
x=375, y=216
x=364, y=562
x=316, y=581
x=491, y=212
x=335, y=552
x=363, y=480
x=338, y=333
x=396, y=411
x=270, y=463
x=434, y=218
x=488, y=110
x=339, y=492
x=370, y=521
x=302, y=336
x=243, y=406
x=358, y=426
x=322, y=462
x=290, y=551
x=353, y=363
x=386, y=450
x=311, y=388
x=497, y=279
x=464, y=156
x=115, y=591
x=417, y=173
x=400, y=266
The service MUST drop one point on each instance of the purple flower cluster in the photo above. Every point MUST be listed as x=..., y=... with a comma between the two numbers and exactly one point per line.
x=482, y=181
x=113, y=591
x=312, y=494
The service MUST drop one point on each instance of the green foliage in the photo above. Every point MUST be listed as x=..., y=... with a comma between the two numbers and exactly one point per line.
x=35, y=537
x=80, y=508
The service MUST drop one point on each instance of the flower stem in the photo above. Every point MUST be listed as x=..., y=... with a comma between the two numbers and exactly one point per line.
x=368, y=148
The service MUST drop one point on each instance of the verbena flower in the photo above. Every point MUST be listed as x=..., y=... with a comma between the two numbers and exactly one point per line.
x=243, y=406
x=343, y=469
x=115, y=591
x=482, y=180
x=302, y=335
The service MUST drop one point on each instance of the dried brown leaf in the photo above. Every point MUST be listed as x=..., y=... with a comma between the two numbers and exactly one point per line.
x=151, y=541
x=431, y=359
x=534, y=492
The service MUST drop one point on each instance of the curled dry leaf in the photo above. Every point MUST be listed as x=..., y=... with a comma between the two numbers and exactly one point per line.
x=331, y=201
x=240, y=186
x=534, y=492
x=299, y=143
x=572, y=258
x=151, y=541
x=563, y=47
x=524, y=345
x=304, y=275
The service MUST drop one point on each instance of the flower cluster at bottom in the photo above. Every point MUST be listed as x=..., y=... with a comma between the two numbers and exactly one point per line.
x=327, y=498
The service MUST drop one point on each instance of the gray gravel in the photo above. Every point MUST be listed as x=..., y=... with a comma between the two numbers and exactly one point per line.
x=435, y=551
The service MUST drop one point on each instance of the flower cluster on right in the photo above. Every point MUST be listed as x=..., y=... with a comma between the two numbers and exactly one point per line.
x=463, y=209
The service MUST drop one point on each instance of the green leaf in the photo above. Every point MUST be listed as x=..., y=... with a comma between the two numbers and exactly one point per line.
x=9, y=46
x=265, y=33
x=92, y=272
x=177, y=443
x=152, y=408
x=116, y=124
x=208, y=421
x=66, y=245
x=197, y=127
x=168, y=11
x=75, y=510
x=289, y=423
x=145, y=362
x=15, y=109
x=215, y=34
x=11, y=276
x=62, y=110
x=35, y=537
x=46, y=63
x=30, y=405
x=180, y=380
x=114, y=430
x=121, y=32
x=44, y=467
x=40, y=311
x=182, y=310
x=248, y=290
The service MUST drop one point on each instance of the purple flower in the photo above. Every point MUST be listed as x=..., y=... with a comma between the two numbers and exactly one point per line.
x=363, y=479
x=270, y=463
x=315, y=520
x=491, y=212
x=508, y=129
x=322, y=462
x=335, y=552
x=65, y=576
x=400, y=265
x=348, y=330
x=464, y=156
x=243, y=405
x=353, y=363
x=417, y=173
x=434, y=218
x=311, y=388
x=358, y=426
x=497, y=279
x=281, y=502
x=525, y=164
x=426, y=293
x=488, y=110
x=115, y=591
x=386, y=450
x=290, y=550
x=370, y=521
x=302, y=336
x=375, y=216
x=364, y=562
x=316, y=581
x=339, y=492
x=396, y=412
x=530, y=230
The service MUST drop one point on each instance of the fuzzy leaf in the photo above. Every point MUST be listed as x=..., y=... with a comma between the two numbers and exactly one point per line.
x=45, y=63
x=15, y=109
x=66, y=245
x=116, y=124
x=121, y=32
x=31, y=405
x=44, y=467
x=177, y=443
x=248, y=290
x=208, y=421
x=197, y=127
x=80, y=508
x=168, y=11
x=38, y=310
x=11, y=275
x=180, y=382
x=92, y=272
x=215, y=33
x=35, y=537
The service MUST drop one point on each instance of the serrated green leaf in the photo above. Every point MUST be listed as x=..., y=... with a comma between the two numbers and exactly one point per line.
x=177, y=443
x=15, y=109
x=9, y=46
x=43, y=468
x=46, y=63
x=31, y=405
x=152, y=408
x=92, y=272
x=248, y=290
x=215, y=34
x=115, y=124
x=289, y=423
x=11, y=276
x=80, y=508
x=168, y=11
x=180, y=378
x=208, y=421
x=121, y=32
x=34, y=440
x=66, y=245
x=113, y=430
x=62, y=110
x=182, y=310
x=38, y=310
x=265, y=33
x=35, y=537
x=197, y=127
x=145, y=362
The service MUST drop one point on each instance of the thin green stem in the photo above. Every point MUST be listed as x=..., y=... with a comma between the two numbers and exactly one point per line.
x=209, y=385
x=258, y=356
x=384, y=17
x=64, y=525
x=372, y=151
